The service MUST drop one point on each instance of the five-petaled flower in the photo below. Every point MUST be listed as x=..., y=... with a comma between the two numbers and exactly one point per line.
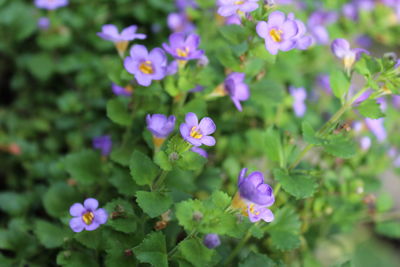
x=341, y=49
x=110, y=32
x=50, y=4
x=279, y=33
x=231, y=7
x=184, y=49
x=237, y=89
x=146, y=66
x=160, y=126
x=87, y=216
x=256, y=195
x=103, y=143
x=198, y=133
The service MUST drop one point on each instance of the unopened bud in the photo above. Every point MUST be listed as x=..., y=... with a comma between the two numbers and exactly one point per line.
x=197, y=216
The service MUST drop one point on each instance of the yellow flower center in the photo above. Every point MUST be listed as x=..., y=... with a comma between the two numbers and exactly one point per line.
x=121, y=46
x=195, y=133
x=239, y=2
x=276, y=35
x=182, y=52
x=253, y=211
x=348, y=61
x=146, y=67
x=128, y=89
x=88, y=217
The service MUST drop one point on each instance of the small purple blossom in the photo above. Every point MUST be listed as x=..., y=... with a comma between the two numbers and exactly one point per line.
x=365, y=143
x=317, y=23
x=396, y=101
x=43, y=23
x=198, y=133
x=182, y=5
x=237, y=89
x=103, y=143
x=179, y=22
x=122, y=91
x=323, y=81
x=362, y=97
x=234, y=19
x=160, y=125
x=196, y=89
x=110, y=33
x=299, y=97
x=257, y=212
x=50, y=4
x=302, y=39
x=172, y=68
x=199, y=151
x=87, y=216
x=253, y=188
x=228, y=8
x=184, y=49
x=211, y=241
x=341, y=49
x=279, y=33
x=364, y=41
x=146, y=66
x=377, y=128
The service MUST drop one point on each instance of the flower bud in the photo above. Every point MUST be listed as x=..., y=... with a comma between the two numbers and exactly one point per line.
x=211, y=241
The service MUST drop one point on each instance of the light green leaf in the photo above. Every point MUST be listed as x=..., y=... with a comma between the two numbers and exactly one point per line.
x=152, y=250
x=273, y=146
x=59, y=198
x=340, y=84
x=51, y=235
x=309, y=134
x=84, y=166
x=341, y=147
x=191, y=161
x=298, y=185
x=233, y=33
x=256, y=259
x=143, y=170
x=193, y=251
x=389, y=228
x=370, y=109
x=162, y=160
x=153, y=203
x=117, y=112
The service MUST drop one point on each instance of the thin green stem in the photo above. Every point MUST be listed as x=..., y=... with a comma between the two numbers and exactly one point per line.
x=160, y=179
x=238, y=247
x=173, y=250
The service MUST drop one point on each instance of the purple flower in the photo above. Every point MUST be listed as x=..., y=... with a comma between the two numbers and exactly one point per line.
x=231, y=7
x=365, y=143
x=234, y=19
x=160, y=125
x=237, y=89
x=196, y=89
x=377, y=128
x=302, y=40
x=364, y=41
x=397, y=64
x=199, y=151
x=396, y=101
x=211, y=241
x=103, y=143
x=179, y=22
x=341, y=49
x=123, y=91
x=317, y=22
x=362, y=97
x=257, y=212
x=184, y=4
x=43, y=23
x=299, y=96
x=184, y=49
x=110, y=33
x=279, y=33
x=172, y=68
x=146, y=66
x=87, y=216
x=323, y=81
x=253, y=188
x=198, y=133
x=50, y=4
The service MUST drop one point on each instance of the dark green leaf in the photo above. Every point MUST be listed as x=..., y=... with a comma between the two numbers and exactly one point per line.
x=152, y=250
x=117, y=112
x=298, y=185
x=143, y=170
x=153, y=203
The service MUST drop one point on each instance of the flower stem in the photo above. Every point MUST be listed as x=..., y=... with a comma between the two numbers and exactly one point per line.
x=237, y=249
x=160, y=180
x=173, y=250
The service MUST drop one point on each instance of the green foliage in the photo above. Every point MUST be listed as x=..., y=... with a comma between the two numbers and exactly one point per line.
x=340, y=146
x=296, y=184
x=51, y=235
x=309, y=134
x=273, y=146
x=340, y=84
x=233, y=33
x=58, y=199
x=193, y=251
x=13, y=203
x=370, y=109
x=285, y=229
x=152, y=250
x=388, y=228
x=117, y=112
x=121, y=216
x=84, y=166
x=143, y=170
x=256, y=259
x=153, y=203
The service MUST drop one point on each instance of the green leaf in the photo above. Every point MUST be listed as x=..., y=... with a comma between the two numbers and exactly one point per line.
x=117, y=112
x=233, y=33
x=191, y=161
x=370, y=109
x=389, y=228
x=256, y=259
x=13, y=203
x=143, y=170
x=309, y=134
x=285, y=229
x=341, y=147
x=194, y=252
x=384, y=202
x=298, y=185
x=59, y=198
x=51, y=235
x=91, y=239
x=41, y=65
x=340, y=84
x=152, y=250
x=75, y=258
x=153, y=203
x=84, y=166
x=259, y=51
x=273, y=146
x=227, y=59
x=121, y=216
x=122, y=180
x=162, y=160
